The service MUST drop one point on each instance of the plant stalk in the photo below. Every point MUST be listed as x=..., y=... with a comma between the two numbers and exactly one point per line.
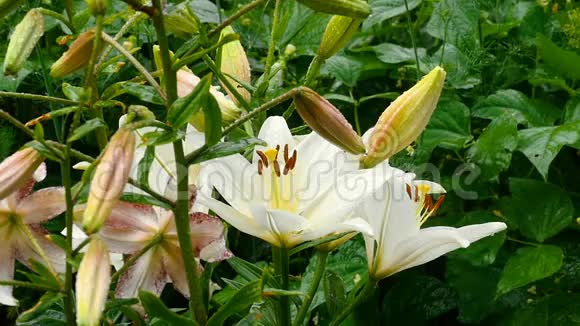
x=281, y=266
x=318, y=273
x=360, y=298
x=261, y=89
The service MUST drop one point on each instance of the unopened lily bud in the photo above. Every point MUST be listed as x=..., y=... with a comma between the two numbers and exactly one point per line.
x=98, y=7
x=350, y=8
x=234, y=63
x=6, y=6
x=17, y=169
x=109, y=179
x=327, y=121
x=187, y=81
x=405, y=119
x=139, y=113
x=77, y=56
x=93, y=281
x=338, y=33
x=23, y=40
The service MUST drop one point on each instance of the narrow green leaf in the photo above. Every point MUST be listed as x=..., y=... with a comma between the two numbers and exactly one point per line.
x=246, y=269
x=145, y=165
x=42, y=150
x=184, y=108
x=245, y=297
x=157, y=309
x=528, y=265
x=160, y=137
x=143, y=92
x=213, y=121
x=39, y=309
x=38, y=132
x=334, y=293
x=227, y=148
x=86, y=128
x=73, y=93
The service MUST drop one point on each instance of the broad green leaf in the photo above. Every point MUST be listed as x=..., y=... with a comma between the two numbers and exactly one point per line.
x=145, y=165
x=561, y=61
x=449, y=127
x=539, y=210
x=552, y=310
x=386, y=9
x=572, y=110
x=184, y=108
x=227, y=148
x=212, y=121
x=461, y=72
x=455, y=22
x=334, y=293
x=157, y=309
x=528, y=265
x=541, y=145
x=492, y=151
x=40, y=308
x=417, y=299
x=393, y=53
x=143, y=92
x=484, y=251
x=205, y=10
x=475, y=287
x=86, y=128
x=499, y=30
x=350, y=69
x=73, y=93
x=512, y=102
x=245, y=297
x=160, y=137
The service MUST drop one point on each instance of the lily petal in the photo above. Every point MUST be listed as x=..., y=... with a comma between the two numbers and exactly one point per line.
x=7, y=274
x=147, y=273
x=24, y=250
x=355, y=224
x=274, y=132
x=129, y=227
x=431, y=243
x=175, y=268
x=42, y=205
x=281, y=225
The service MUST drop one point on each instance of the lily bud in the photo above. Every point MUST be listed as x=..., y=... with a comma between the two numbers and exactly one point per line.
x=327, y=121
x=405, y=119
x=6, y=6
x=93, y=281
x=77, y=56
x=139, y=113
x=350, y=8
x=110, y=178
x=23, y=40
x=98, y=7
x=234, y=62
x=338, y=33
x=187, y=81
x=17, y=169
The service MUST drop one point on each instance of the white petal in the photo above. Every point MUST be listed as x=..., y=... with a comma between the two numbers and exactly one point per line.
x=82, y=165
x=366, y=137
x=215, y=251
x=274, y=132
x=24, y=250
x=40, y=172
x=282, y=225
x=319, y=231
x=431, y=243
x=236, y=180
x=42, y=205
x=194, y=139
x=6, y=274
x=129, y=227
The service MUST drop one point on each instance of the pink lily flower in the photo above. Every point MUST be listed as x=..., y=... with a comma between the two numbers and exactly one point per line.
x=21, y=213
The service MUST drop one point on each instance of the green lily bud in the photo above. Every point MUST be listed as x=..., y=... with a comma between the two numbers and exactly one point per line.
x=6, y=6
x=139, y=113
x=93, y=281
x=22, y=42
x=234, y=62
x=405, y=119
x=17, y=169
x=338, y=33
x=109, y=179
x=77, y=56
x=350, y=8
x=327, y=121
x=98, y=7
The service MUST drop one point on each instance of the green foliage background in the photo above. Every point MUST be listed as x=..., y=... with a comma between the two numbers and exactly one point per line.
x=505, y=139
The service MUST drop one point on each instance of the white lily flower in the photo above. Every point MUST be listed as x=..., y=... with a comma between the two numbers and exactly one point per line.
x=396, y=213
x=291, y=192
x=22, y=212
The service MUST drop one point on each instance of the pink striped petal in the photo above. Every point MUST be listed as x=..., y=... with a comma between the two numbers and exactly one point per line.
x=42, y=205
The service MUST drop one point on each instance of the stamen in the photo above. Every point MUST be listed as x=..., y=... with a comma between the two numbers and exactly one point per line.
x=428, y=201
x=292, y=161
x=263, y=157
x=408, y=188
x=260, y=167
x=438, y=203
x=277, y=151
x=286, y=154
x=276, y=168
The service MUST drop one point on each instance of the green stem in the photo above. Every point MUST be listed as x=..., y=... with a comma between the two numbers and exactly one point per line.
x=412, y=34
x=318, y=273
x=155, y=241
x=360, y=298
x=261, y=89
x=69, y=8
x=242, y=11
x=80, y=247
x=59, y=17
x=169, y=74
x=212, y=66
x=118, y=36
x=91, y=84
x=281, y=266
x=313, y=70
x=68, y=276
x=146, y=74
x=28, y=285
x=38, y=98
x=181, y=212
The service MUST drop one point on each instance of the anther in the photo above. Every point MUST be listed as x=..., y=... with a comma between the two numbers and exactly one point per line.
x=260, y=167
x=438, y=203
x=277, y=168
x=277, y=151
x=292, y=160
x=286, y=154
x=408, y=188
x=263, y=157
